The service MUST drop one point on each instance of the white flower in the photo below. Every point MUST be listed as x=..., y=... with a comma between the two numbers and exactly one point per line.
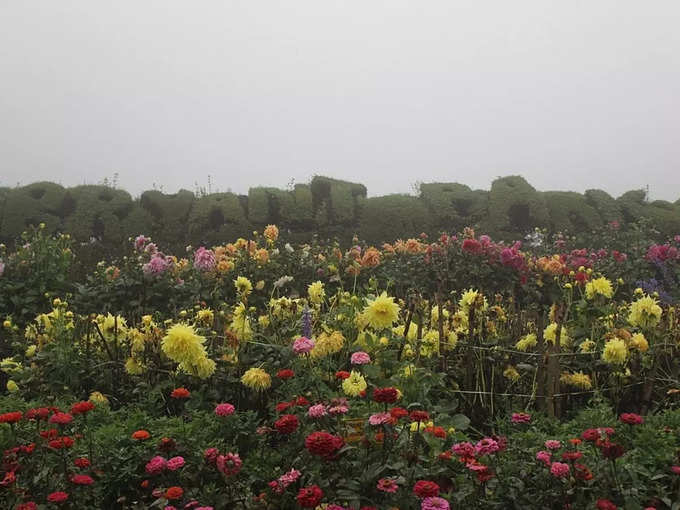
x=288, y=248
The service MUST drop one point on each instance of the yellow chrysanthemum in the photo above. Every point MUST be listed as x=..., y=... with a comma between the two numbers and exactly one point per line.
x=327, y=344
x=205, y=316
x=202, y=368
x=577, y=380
x=182, y=345
x=550, y=334
x=256, y=379
x=615, y=351
x=354, y=384
x=240, y=324
x=645, y=312
x=412, y=331
x=471, y=297
x=587, y=345
x=111, y=326
x=599, y=286
x=511, y=373
x=30, y=350
x=98, y=398
x=639, y=342
x=243, y=285
x=461, y=322
x=526, y=342
x=381, y=312
x=316, y=292
x=133, y=367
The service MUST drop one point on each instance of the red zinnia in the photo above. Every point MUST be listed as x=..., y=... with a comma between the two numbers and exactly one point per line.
x=287, y=424
x=309, y=497
x=61, y=418
x=282, y=406
x=180, y=393
x=419, y=416
x=57, y=497
x=301, y=401
x=11, y=417
x=285, y=373
x=140, y=435
x=61, y=442
x=323, y=444
x=30, y=505
x=174, y=493
x=39, y=413
x=605, y=504
x=398, y=412
x=82, y=407
x=426, y=489
x=612, y=451
x=632, y=418
x=591, y=434
x=82, y=480
x=385, y=395
x=342, y=374
x=82, y=462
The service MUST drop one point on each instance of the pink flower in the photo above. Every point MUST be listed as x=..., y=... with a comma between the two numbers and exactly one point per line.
x=387, y=485
x=463, y=449
x=317, y=411
x=303, y=345
x=175, y=463
x=339, y=409
x=559, y=469
x=360, y=358
x=632, y=418
x=158, y=264
x=210, y=455
x=544, y=457
x=520, y=418
x=140, y=241
x=225, y=409
x=156, y=465
x=434, y=503
x=676, y=470
x=229, y=464
x=290, y=477
x=553, y=444
x=380, y=418
x=486, y=446
x=204, y=260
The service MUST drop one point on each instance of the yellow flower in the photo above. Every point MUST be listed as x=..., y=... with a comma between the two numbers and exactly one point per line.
x=240, y=324
x=599, y=286
x=639, y=342
x=98, y=398
x=206, y=316
x=259, y=285
x=577, y=379
x=615, y=351
x=381, y=312
x=354, y=384
x=263, y=321
x=256, y=379
x=417, y=426
x=471, y=297
x=550, y=334
x=243, y=285
x=30, y=351
x=408, y=371
x=327, y=344
x=133, y=367
x=7, y=324
x=202, y=368
x=182, y=345
x=526, y=342
x=511, y=373
x=644, y=313
x=12, y=386
x=316, y=292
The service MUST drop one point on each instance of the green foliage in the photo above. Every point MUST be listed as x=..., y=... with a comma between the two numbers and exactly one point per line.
x=217, y=217
x=453, y=206
x=298, y=212
x=339, y=200
x=632, y=204
x=570, y=212
x=393, y=217
x=40, y=202
x=170, y=214
x=515, y=207
x=605, y=204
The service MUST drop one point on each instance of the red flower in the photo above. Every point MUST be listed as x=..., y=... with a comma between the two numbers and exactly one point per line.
x=582, y=472
x=571, y=456
x=61, y=418
x=61, y=442
x=385, y=395
x=285, y=374
x=419, y=416
x=605, y=504
x=167, y=444
x=591, y=434
x=9, y=479
x=82, y=462
x=174, y=493
x=426, y=489
x=57, y=497
x=632, y=418
x=180, y=393
x=49, y=433
x=611, y=451
x=39, y=413
x=445, y=455
x=82, y=480
x=282, y=406
x=309, y=497
x=82, y=407
x=287, y=424
x=30, y=505
x=301, y=401
x=323, y=444
x=472, y=246
x=11, y=417
x=436, y=432
x=140, y=435
x=398, y=412
x=342, y=374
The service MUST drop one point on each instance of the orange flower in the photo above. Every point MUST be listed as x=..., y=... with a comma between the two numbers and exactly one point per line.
x=174, y=493
x=180, y=393
x=140, y=435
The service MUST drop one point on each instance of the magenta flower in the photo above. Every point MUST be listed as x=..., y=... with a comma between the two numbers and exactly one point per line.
x=224, y=409
x=317, y=411
x=553, y=444
x=175, y=463
x=379, y=418
x=204, y=260
x=559, y=469
x=303, y=345
x=520, y=418
x=360, y=358
x=434, y=503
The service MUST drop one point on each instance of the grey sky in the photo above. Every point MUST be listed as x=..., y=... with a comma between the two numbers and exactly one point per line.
x=572, y=95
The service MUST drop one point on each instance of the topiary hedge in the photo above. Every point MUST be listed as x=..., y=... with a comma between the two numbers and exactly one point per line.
x=392, y=217
x=571, y=212
x=515, y=207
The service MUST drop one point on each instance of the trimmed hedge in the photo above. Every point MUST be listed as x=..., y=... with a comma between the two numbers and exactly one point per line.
x=217, y=218
x=515, y=207
x=393, y=217
x=570, y=212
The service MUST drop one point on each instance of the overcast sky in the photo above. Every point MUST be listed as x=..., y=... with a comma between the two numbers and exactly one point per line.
x=572, y=95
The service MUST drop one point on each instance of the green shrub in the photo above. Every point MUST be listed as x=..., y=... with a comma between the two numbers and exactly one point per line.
x=216, y=219
x=605, y=204
x=169, y=214
x=36, y=203
x=515, y=207
x=570, y=212
x=391, y=217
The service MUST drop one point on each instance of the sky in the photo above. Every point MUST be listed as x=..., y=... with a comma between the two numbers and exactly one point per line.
x=165, y=93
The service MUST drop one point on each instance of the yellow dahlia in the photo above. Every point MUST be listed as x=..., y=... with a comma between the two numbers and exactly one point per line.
x=316, y=292
x=639, y=342
x=256, y=379
x=615, y=351
x=526, y=342
x=243, y=285
x=381, y=312
x=182, y=345
x=645, y=312
x=354, y=384
x=599, y=286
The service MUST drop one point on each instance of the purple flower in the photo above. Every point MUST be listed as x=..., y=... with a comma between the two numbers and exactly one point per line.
x=434, y=503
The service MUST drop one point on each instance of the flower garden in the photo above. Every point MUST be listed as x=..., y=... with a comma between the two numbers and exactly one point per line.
x=456, y=372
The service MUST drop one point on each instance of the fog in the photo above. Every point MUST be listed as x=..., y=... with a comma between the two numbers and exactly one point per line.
x=571, y=95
